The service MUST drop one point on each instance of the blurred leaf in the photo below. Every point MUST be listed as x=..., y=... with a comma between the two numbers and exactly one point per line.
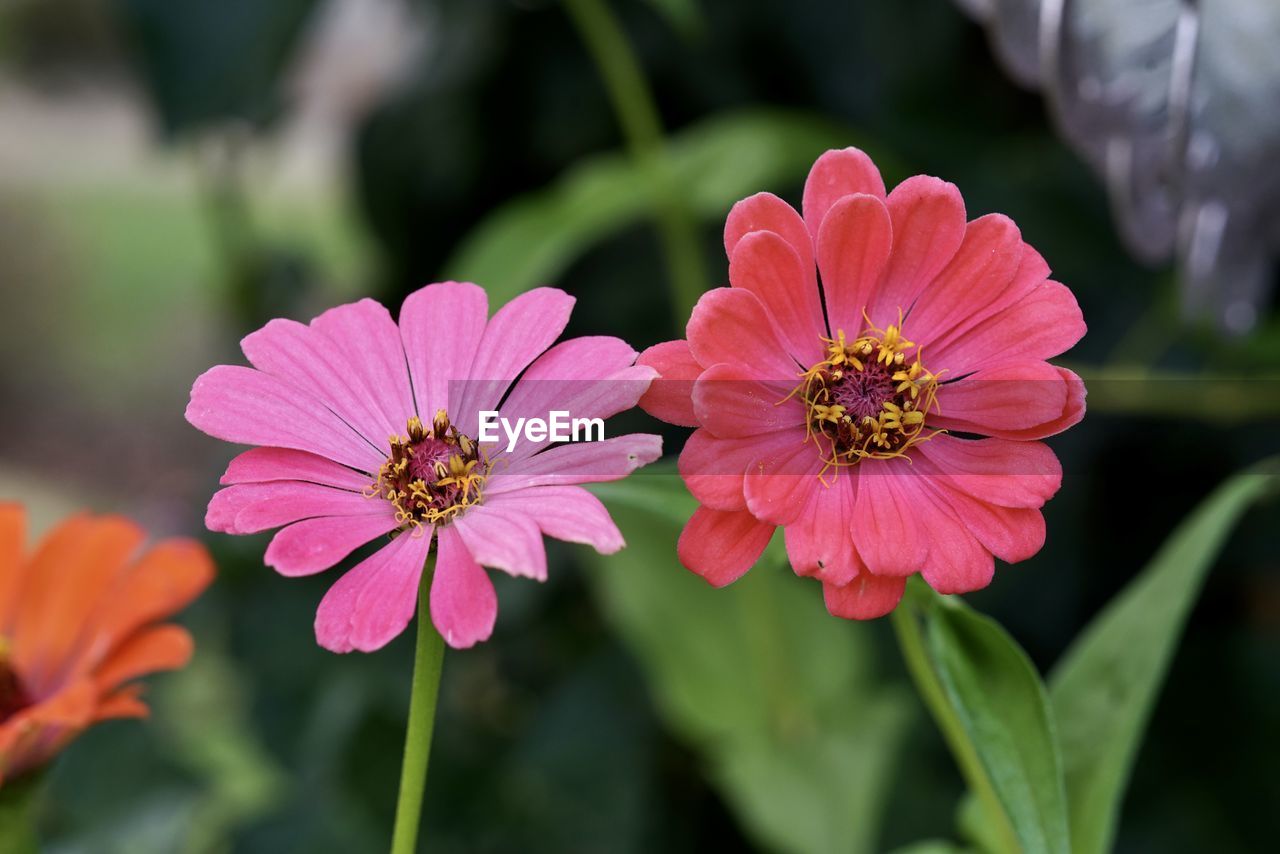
x=781, y=699
x=19, y=801
x=996, y=715
x=1105, y=686
x=206, y=63
x=530, y=241
x=683, y=15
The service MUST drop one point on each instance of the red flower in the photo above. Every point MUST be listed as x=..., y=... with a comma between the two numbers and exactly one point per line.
x=80, y=620
x=851, y=413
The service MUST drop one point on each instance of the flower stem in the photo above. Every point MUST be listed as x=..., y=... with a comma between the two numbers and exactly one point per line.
x=428, y=659
x=907, y=627
x=633, y=104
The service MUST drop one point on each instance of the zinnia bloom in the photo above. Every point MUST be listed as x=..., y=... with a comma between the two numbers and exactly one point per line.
x=80, y=620
x=367, y=428
x=852, y=413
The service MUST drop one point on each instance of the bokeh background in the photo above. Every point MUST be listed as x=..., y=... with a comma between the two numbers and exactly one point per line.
x=175, y=172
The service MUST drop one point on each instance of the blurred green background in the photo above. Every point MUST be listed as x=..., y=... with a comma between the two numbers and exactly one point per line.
x=173, y=173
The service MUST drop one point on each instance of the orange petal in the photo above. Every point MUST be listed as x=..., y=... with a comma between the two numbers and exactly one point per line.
x=72, y=569
x=125, y=703
x=34, y=735
x=13, y=525
x=163, y=581
x=165, y=647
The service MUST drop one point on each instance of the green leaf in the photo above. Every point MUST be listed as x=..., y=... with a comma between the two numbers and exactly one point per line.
x=1001, y=703
x=1105, y=686
x=19, y=801
x=530, y=241
x=780, y=699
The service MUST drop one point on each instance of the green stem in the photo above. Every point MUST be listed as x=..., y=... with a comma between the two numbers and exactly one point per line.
x=906, y=624
x=633, y=104
x=428, y=660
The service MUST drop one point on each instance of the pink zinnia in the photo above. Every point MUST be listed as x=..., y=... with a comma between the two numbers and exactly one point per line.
x=857, y=429
x=368, y=428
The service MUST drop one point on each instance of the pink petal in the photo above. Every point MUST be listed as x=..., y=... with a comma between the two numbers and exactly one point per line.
x=886, y=522
x=733, y=400
x=978, y=274
x=853, y=247
x=928, y=226
x=1043, y=324
x=587, y=377
x=311, y=363
x=957, y=562
x=518, y=333
x=373, y=602
x=313, y=545
x=713, y=468
x=767, y=266
x=251, y=507
x=464, y=605
x=767, y=212
x=1011, y=534
x=864, y=598
x=504, y=539
x=778, y=481
x=996, y=471
x=669, y=397
x=369, y=341
x=568, y=513
x=1030, y=274
x=722, y=545
x=819, y=541
x=1017, y=396
x=258, y=465
x=583, y=462
x=732, y=324
x=441, y=326
x=836, y=174
x=249, y=407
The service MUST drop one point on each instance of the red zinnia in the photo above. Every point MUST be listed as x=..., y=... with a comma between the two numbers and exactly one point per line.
x=935, y=334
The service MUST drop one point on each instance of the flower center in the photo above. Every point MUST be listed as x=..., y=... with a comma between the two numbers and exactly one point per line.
x=868, y=399
x=13, y=697
x=432, y=474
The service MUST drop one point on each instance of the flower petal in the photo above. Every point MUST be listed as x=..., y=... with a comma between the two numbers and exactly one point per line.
x=464, y=605
x=314, y=545
x=767, y=266
x=373, y=602
x=781, y=475
x=1041, y=325
x=249, y=407
x=722, y=545
x=866, y=597
x=1032, y=403
x=767, y=212
x=836, y=174
x=669, y=397
x=568, y=513
x=853, y=247
x=730, y=324
x=504, y=539
x=981, y=270
x=165, y=647
x=886, y=520
x=13, y=566
x=247, y=508
x=734, y=400
x=260, y=465
x=996, y=471
x=582, y=462
x=819, y=541
x=928, y=226
x=957, y=562
x=517, y=334
x=441, y=326
x=713, y=468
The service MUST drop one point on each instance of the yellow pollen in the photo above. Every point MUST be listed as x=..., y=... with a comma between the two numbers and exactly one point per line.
x=432, y=475
x=869, y=399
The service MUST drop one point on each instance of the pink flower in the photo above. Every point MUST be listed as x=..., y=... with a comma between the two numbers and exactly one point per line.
x=849, y=414
x=367, y=428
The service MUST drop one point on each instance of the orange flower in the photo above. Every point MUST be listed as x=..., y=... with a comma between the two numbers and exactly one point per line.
x=79, y=620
